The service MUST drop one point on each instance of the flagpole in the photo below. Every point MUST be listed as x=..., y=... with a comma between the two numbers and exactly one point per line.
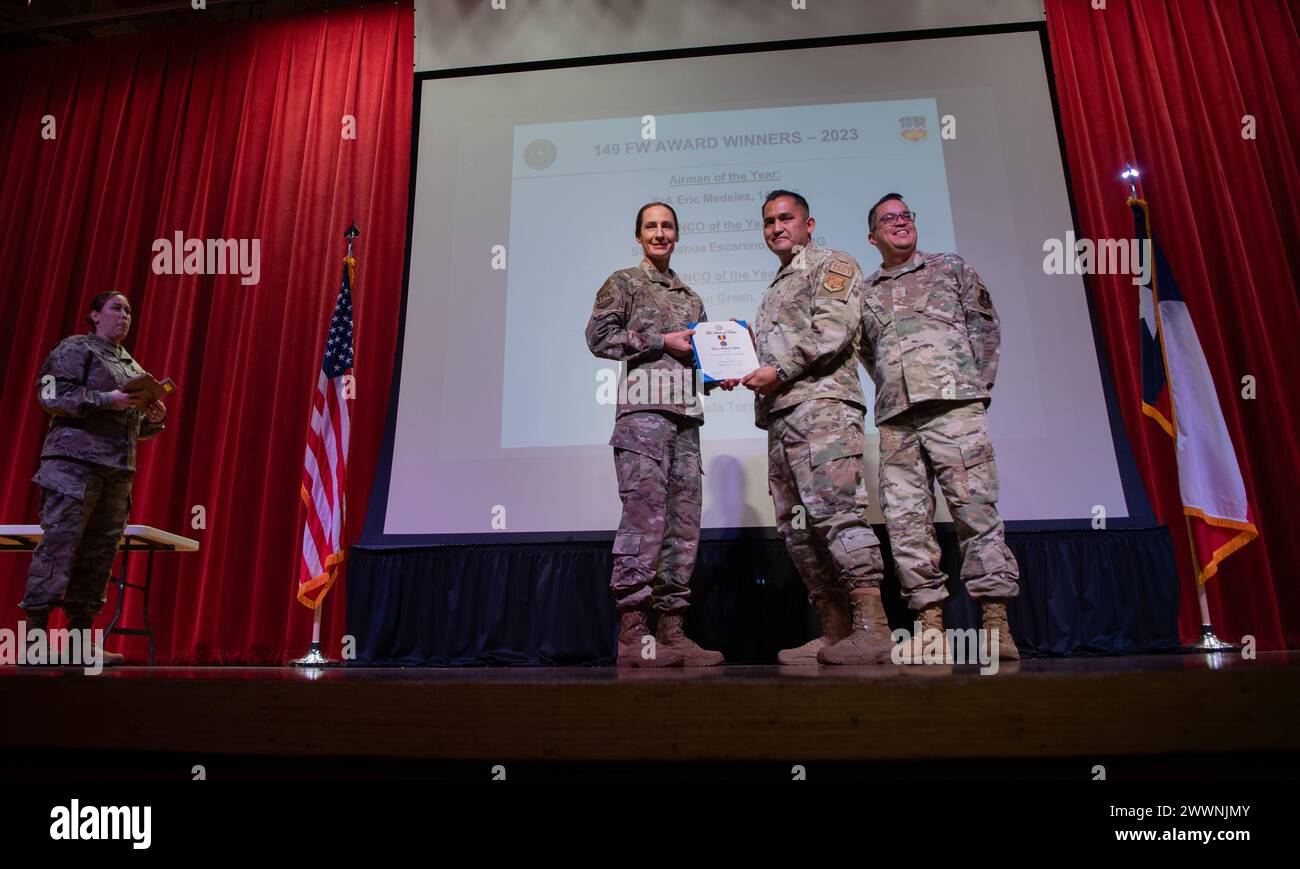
x=314, y=657
x=1209, y=642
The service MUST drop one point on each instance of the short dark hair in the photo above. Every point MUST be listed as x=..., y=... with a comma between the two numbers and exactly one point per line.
x=98, y=303
x=652, y=205
x=777, y=194
x=871, y=215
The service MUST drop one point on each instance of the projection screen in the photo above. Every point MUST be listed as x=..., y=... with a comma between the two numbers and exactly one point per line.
x=526, y=185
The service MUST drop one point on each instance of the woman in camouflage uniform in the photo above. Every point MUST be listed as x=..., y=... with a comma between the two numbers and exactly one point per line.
x=87, y=463
x=641, y=317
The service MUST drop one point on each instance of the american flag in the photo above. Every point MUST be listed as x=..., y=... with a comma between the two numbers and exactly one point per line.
x=324, y=470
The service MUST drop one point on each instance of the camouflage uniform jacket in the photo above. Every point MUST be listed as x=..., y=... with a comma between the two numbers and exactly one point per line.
x=929, y=331
x=634, y=309
x=807, y=326
x=85, y=368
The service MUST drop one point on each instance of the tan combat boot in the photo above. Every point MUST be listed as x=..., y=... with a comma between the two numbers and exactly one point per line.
x=110, y=659
x=995, y=619
x=671, y=636
x=920, y=648
x=870, y=642
x=834, y=614
x=632, y=652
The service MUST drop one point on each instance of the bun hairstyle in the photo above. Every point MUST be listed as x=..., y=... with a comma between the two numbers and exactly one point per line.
x=97, y=304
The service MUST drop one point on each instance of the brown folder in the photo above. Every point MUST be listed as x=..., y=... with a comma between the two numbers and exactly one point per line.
x=144, y=390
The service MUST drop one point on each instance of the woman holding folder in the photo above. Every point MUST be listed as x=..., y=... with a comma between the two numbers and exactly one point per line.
x=642, y=316
x=87, y=464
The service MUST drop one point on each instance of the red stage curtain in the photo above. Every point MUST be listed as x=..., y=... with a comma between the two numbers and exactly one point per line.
x=1165, y=84
x=219, y=131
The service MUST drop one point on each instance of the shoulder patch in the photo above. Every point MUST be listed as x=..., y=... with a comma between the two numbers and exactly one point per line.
x=985, y=300
x=835, y=286
x=840, y=267
x=604, y=298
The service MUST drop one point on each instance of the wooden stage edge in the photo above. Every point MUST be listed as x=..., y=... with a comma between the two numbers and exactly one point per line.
x=1031, y=709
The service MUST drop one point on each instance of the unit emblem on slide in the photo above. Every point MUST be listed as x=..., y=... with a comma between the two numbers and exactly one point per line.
x=913, y=128
x=540, y=154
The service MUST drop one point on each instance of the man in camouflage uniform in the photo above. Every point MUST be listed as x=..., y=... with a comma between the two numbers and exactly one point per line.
x=809, y=399
x=930, y=339
x=87, y=464
x=640, y=317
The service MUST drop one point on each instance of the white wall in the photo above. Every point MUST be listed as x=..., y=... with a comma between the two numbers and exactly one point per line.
x=460, y=33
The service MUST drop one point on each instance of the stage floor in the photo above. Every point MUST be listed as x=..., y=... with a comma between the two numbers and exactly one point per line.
x=1221, y=709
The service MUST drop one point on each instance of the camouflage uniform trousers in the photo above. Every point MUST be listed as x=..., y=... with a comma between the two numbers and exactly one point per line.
x=815, y=474
x=657, y=459
x=948, y=441
x=84, y=508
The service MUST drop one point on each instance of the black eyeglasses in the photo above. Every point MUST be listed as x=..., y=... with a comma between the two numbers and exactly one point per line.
x=894, y=216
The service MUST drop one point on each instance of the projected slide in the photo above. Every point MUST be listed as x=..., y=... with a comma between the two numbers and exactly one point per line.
x=714, y=168
x=527, y=186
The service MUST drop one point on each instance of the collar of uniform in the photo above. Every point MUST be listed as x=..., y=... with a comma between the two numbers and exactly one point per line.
x=115, y=349
x=670, y=280
x=917, y=261
x=798, y=261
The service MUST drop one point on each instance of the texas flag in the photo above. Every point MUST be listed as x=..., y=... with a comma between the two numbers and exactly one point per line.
x=1178, y=393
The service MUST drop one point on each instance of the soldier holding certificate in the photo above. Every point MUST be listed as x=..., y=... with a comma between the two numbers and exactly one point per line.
x=809, y=399
x=640, y=317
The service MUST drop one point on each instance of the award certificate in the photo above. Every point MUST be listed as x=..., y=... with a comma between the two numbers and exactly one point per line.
x=723, y=350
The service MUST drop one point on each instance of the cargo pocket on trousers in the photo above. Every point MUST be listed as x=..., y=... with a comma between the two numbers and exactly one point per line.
x=852, y=541
x=833, y=483
x=841, y=444
x=994, y=558
x=627, y=544
x=58, y=477
x=981, y=472
x=693, y=459
x=40, y=570
x=635, y=459
x=622, y=439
